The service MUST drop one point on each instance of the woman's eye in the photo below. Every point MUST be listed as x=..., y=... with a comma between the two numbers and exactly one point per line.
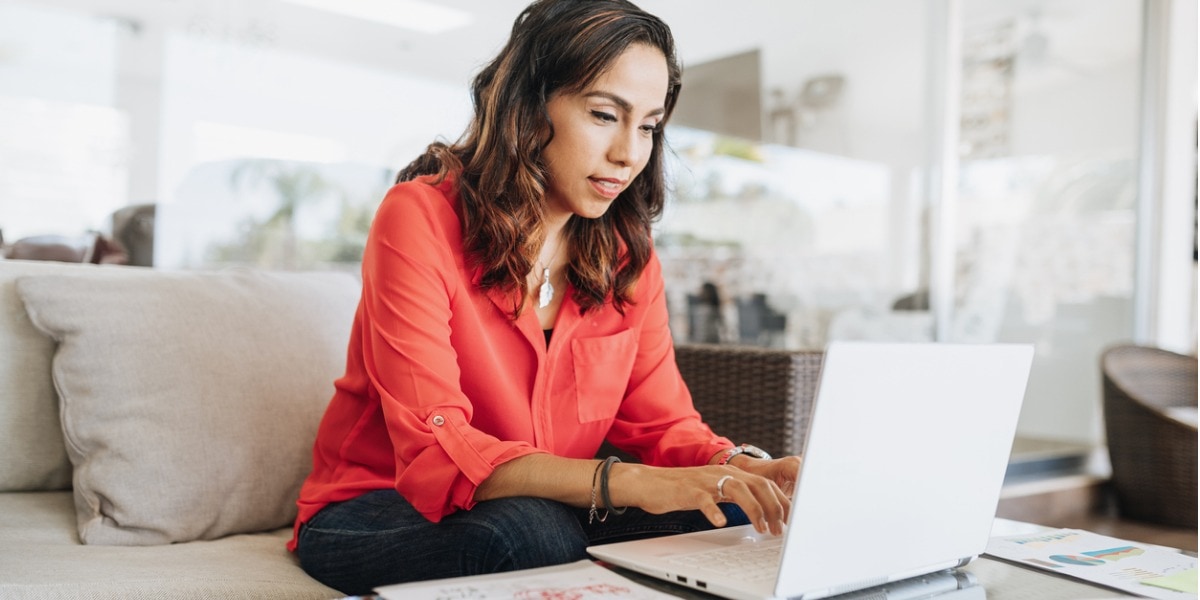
x=650, y=129
x=603, y=116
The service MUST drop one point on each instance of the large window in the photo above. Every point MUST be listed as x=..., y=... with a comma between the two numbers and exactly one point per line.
x=64, y=149
x=807, y=168
x=277, y=158
x=820, y=219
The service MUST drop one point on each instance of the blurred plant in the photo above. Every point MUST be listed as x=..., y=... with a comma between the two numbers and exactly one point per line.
x=294, y=184
x=737, y=148
x=666, y=240
x=349, y=237
x=300, y=189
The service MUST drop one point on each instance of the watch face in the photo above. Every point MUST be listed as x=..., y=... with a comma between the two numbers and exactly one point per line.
x=754, y=451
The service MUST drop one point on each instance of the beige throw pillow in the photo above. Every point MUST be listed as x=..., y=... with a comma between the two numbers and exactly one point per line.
x=190, y=401
x=31, y=441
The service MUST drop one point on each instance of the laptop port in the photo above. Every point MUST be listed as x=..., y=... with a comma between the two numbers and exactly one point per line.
x=701, y=584
x=681, y=579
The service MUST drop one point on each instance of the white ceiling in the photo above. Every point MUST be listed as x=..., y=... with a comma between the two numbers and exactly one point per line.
x=705, y=29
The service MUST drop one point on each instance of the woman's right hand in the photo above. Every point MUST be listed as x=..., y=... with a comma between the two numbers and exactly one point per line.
x=659, y=490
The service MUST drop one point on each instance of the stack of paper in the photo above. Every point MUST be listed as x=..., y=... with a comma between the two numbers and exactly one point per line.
x=583, y=580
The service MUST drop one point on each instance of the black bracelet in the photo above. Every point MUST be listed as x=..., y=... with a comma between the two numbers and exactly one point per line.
x=608, y=505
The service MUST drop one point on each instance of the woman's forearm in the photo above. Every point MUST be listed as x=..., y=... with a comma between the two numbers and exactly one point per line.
x=656, y=490
x=566, y=480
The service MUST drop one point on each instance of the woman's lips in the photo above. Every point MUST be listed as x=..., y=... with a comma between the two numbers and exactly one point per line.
x=607, y=187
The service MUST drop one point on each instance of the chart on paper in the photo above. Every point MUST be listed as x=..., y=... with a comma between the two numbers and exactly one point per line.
x=1128, y=566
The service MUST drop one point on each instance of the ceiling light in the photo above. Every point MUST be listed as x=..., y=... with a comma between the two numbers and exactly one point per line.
x=415, y=15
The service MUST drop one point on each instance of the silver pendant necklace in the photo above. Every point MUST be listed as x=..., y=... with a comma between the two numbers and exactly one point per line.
x=546, y=290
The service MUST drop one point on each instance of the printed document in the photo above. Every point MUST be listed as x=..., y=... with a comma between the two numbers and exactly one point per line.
x=1141, y=569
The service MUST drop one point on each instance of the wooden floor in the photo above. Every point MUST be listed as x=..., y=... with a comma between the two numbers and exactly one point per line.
x=1087, y=507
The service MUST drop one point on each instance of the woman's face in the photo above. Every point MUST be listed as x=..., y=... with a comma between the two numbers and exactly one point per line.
x=603, y=135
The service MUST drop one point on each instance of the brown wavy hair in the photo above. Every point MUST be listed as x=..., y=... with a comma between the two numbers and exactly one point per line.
x=555, y=46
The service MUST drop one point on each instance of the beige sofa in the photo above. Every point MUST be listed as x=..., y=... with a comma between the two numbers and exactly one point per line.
x=155, y=427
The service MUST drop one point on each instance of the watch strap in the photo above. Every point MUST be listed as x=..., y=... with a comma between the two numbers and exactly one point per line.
x=746, y=449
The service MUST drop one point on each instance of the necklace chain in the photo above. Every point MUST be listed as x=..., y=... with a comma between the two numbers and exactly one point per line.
x=546, y=289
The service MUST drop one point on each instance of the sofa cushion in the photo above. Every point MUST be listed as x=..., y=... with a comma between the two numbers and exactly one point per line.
x=31, y=440
x=42, y=558
x=190, y=401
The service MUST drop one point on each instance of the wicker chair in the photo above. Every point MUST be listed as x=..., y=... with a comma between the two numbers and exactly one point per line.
x=1153, y=452
x=753, y=395
x=749, y=394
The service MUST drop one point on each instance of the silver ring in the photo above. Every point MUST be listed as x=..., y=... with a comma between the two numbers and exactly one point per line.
x=721, y=485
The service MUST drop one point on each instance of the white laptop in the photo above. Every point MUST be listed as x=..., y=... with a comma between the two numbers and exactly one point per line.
x=904, y=459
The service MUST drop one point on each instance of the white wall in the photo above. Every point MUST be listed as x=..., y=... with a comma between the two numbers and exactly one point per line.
x=1172, y=324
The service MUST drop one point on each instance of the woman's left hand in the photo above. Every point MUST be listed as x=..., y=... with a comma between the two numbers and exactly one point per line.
x=782, y=471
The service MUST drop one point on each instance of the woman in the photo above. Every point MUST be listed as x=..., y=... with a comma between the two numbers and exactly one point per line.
x=512, y=319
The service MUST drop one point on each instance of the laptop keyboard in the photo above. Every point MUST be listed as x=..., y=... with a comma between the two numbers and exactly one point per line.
x=749, y=562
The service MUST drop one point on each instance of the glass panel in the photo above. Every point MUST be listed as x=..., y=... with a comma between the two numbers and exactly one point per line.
x=811, y=221
x=798, y=203
x=1046, y=214
x=801, y=155
x=64, y=149
x=278, y=159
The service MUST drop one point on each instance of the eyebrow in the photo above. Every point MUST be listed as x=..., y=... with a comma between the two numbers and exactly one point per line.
x=623, y=103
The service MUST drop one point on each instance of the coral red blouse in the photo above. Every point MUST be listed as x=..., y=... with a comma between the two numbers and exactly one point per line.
x=441, y=385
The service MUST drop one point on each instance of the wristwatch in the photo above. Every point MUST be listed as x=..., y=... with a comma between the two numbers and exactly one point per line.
x=747, y=449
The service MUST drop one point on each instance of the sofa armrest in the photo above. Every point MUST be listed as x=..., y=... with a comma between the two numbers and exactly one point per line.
x=753, y=395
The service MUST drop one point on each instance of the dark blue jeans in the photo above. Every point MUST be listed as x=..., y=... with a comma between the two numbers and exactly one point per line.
x=379, y=538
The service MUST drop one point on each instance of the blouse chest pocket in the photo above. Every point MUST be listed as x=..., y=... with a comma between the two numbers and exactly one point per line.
x=602, y=369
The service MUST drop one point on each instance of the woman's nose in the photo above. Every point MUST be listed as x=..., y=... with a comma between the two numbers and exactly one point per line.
x=626, y=147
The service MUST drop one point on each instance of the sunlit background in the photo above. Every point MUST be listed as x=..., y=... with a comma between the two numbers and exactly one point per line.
x=961, y=170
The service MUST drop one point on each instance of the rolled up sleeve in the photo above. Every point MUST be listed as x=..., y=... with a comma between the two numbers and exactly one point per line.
x=444, y=472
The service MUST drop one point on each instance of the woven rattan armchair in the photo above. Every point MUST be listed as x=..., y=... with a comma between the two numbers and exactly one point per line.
x=1152, y=449
x=753, y=395
x=749, y=394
